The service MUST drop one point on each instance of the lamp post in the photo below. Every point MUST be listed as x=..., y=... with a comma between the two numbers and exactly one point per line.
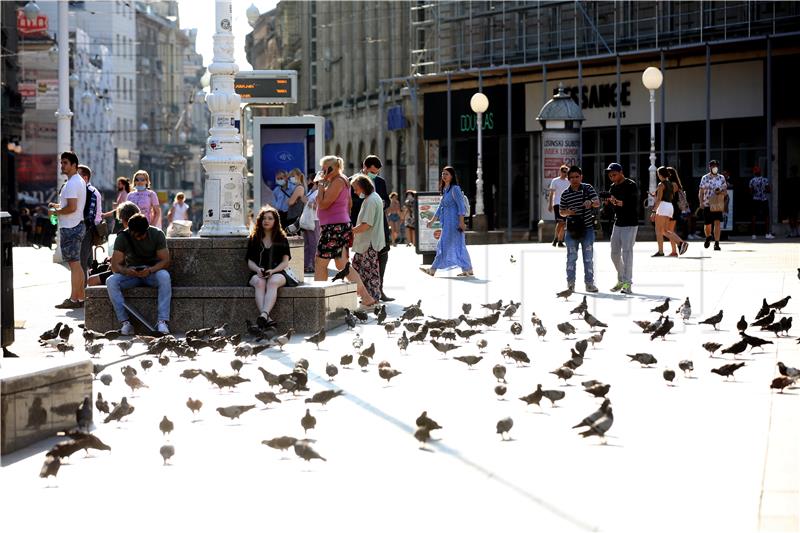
x=479, y=104
x=652, y=79
x=63, y=114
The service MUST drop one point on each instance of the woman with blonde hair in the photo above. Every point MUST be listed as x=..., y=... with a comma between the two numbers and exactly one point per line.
x=336, y=232
x=268, y=256
x=145, y=199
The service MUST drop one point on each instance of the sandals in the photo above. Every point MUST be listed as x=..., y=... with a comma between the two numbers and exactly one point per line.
x=466, y=274
x=428, y=271
x=264, y=321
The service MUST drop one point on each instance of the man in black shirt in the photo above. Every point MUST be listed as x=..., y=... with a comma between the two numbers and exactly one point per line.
x=625, y=200
x=576, y=204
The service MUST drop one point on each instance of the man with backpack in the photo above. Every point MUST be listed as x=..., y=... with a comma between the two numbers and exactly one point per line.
x=69, y=210
x=92, y=216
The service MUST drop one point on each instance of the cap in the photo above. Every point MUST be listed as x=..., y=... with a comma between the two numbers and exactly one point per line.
x=713, y=162
x=616, y=167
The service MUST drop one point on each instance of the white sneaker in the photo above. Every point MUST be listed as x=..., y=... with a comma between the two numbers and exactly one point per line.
x=127, y=328
x=754, y=237
x=162, y=327
x=770, y=236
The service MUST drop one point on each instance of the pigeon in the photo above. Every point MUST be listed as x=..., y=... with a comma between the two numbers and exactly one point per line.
x=779, y=305
x=363, y=361
x=643, y=324
x=563, y=372
x=428, y=423
x=221, y=331
x=331, y=370
x=324, y=396
x=518, y=356
x=369, y=351
x=766, y=320
x=741, y=325
x=346, y=360
x=306, y=452
x=308, y=421
x=764, y=311
x=499, y=372
x=317, y=337
x=574, y=363
x=134, y=383
x=580, y=346
x=402, y=342
x=504, y=426
x=781, y=383
x=583, y=306
x=271, y=379
x=167, y=451
x=553, y=396
x=511, y=310
x=669, y=375
x=711, y=347
x=106, y=379
x=598, y=390
x=535, y=320
x=594, y=417
x=644, y=359
x=443, y=347
x=64, y=347
x=361, y=315
x=663, y=329
x=500, y=389
x=163, y=359
x=600, y=426
x=234, y=411
x=65, y=332
x=541, y=331
x=566, y=328
x=469, y=360
x=389, y=327
x=481, y=344
x=422, y=434
x=516, y=329
x=685, y=310
x=466, y=308
x=101, y=404
x=94, y=349
x=349, y=319
x=83, y=414
x=121, y=410
x=50, y=467
x=125, y=346
x=788, y=371
x=736, y=348
x=754, y=342
x=388, y=373
x=534, y=397
x=284, y=339
x=79, y=440
x=166, y=425
x=713, y=320
x=357, y=342
x=777, y=327
x=727, y=370
x=593, y=321
x=490, y=320
x=51, y=334
x=661, y=309
x=381, y=314
x=597, y=337
x=493, y=306
x=512, y=259
x=236, y=365
x=686, y=365
x=194, y=405
x=565, y=294
x=146, y=364
x=282, y=443
x=342, y=274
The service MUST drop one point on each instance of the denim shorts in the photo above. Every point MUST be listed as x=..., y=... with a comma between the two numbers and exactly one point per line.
x=71, y=240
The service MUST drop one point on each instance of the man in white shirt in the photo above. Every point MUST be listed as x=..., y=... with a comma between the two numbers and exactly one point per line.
x=69, y=209
x=558, y=186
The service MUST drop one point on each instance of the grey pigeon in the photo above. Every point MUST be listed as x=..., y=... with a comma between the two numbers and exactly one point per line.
x=566, y=328
x=713, y=320
x=535, y=397
x=469, y=360
x=167, y=451
x=424, y=421
x=346, y=360
x=324, y=396
x=741, y=325
x=594, y=417
x=422, y=434
x=166, y=425
x=306, y=452
x=598, y=390
x=661, y=309
x=331, y=370
x=600, y=426
x=669, y=375
x=267, y=397
x=644, y=359
x=121, y=410
x=583, y=306
x=727, y=370
x=499, y=372
x=781, y=382
x=83, y=414
x=280, y=443
x=402, y=342
x=685, y=310
x=500, y=389
x=317, y=338
x=563, y=372
x=308, y=421
x=553, y=395
x=504, y=426
x=593, y=321
x=736, y=348
x=686, y=365
x=788, y=371
x=234, y=411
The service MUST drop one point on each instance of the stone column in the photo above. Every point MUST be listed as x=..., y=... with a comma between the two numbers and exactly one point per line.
x=223, y=197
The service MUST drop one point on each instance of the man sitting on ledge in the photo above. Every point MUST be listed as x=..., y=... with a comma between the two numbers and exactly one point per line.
x=140, y=258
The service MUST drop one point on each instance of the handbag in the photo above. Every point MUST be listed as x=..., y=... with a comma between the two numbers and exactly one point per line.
x=307, y=221
x=290, y=273
x=716, y=204
x=99, y=233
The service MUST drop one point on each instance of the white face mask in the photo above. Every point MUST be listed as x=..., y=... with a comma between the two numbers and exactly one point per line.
x=714, y=170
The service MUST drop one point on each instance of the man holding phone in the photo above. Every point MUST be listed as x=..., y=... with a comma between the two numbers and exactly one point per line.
x=140, y=257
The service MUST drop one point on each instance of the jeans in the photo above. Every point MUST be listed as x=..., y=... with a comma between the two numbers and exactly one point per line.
x=161, y=279
x=622, y=241
x=587, y=245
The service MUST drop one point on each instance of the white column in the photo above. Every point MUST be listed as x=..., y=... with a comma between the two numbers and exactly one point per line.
x=223, y=194
x=479, y=182
x=64, y=114
x=652, y=186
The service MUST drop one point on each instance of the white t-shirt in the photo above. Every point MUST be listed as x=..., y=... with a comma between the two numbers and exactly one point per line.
x=179, y=211
x=558, y=186
x=74, y=188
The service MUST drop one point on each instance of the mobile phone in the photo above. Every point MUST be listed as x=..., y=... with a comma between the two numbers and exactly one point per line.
x=138, y=268
x=330, y=170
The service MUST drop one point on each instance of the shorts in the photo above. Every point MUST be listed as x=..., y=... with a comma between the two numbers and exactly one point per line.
x=71, y=240
x=332, y=239
x=557, y=213
x=710, y=216
x=665, y=209
x=394, y=217
x=760, y=208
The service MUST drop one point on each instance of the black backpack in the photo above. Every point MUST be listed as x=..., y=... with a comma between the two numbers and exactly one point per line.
x=90, y=207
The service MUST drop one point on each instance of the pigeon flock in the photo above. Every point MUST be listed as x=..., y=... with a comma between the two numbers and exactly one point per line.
x=216, y=364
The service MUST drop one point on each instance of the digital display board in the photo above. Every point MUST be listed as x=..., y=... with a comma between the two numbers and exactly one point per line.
x=267, y=86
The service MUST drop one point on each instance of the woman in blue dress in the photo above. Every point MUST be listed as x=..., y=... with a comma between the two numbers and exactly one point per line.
x=451, y=250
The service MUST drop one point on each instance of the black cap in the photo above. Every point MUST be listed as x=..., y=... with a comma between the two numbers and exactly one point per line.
x=616, y=167
x=713, y=162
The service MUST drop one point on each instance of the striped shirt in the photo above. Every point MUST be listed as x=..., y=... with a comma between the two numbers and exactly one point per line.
x=573, y=199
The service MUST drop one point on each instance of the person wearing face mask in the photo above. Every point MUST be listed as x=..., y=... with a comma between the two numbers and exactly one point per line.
x=371, y=166
x=297, y=180
x=123, y=188
x=712, y=193
x=368, y=234
x=145, y=199
x=283, y=192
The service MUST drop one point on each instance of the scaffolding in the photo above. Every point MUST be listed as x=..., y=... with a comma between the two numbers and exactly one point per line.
x=424, y=40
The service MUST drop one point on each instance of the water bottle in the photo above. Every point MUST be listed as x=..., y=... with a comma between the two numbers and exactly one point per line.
x=53, y=217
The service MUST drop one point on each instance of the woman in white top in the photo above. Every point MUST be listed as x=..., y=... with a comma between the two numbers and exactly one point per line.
x=179, y=209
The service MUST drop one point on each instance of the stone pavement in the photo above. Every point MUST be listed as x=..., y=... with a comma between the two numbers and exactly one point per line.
x=705, y=455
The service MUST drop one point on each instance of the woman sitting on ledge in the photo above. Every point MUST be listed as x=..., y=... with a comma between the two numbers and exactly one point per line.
x=268, y=258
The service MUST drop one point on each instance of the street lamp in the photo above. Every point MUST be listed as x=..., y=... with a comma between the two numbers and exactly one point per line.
x=252, y=15
x=479, y=104
x=652, y=79
x=31, y=11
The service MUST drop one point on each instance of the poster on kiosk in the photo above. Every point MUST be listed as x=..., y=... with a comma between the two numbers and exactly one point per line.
x=284, y=144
